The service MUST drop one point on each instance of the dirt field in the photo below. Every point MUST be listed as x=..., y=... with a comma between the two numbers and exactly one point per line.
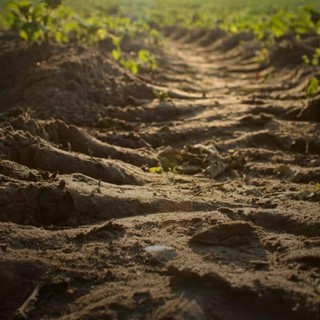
x=87, y=232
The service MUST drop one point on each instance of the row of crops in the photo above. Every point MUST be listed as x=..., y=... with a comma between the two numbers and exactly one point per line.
x=94, y=20
x=116, y=22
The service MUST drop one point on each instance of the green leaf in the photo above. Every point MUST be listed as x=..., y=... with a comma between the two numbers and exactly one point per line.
x=156, y=170
x=315, y=61
x=116, y=41
x=144, y=55
x=306, y=59
x=312, y=87
x=130, y=65
x=60, y=37
x=24, y=35
x=116, y=54
x=162, y=95
x=13, y=6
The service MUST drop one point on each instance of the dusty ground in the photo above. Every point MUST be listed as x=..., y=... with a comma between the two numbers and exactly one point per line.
x=80, y=212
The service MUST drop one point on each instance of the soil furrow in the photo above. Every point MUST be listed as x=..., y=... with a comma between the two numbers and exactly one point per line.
x=109, y=180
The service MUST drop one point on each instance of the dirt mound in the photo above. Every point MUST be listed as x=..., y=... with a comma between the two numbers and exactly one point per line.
x=310, y=112
x=72, y=83
x=289, y=54
x=212, y=37
x=230, y=42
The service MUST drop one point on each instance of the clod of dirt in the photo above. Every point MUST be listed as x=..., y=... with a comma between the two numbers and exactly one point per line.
x=160, y=253
x=289, y=55
x=107, y=230
x=230, y=234
x=311, y=112
x=215, y=169
x=230, y=42
x=39, y=205
x=286, y=172
x=180, y=309
x=212, y=37
x=193, y=159
x=308, y=258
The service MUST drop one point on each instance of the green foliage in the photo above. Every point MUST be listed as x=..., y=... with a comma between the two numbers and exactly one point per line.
x=116, y=54
x=147, y=60
x=130, y=65
x=48, y=20
x=92, y=21
x=144, y=60
x=312, y=87
x=158, y=170
x=27, y=20
x=314, y=59
x=33, y=21
x=162, y=95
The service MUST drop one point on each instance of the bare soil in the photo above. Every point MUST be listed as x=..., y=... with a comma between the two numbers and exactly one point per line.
x=87, y=232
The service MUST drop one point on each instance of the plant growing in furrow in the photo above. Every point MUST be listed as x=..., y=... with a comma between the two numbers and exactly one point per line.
x=312, y=87
x=144, y=60
x=48, y=21
x=32, y=21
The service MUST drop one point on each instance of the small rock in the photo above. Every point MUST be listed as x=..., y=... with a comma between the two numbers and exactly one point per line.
x=215, y=169
x=161, y=253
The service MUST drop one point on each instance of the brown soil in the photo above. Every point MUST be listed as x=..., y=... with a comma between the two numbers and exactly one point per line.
x=81, y=216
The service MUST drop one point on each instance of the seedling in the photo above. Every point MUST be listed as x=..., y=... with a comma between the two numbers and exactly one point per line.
x=32, y=21
x=147, y=60
x=314, y=60
x=158, y=170
x=162, y=95
x=312, y=87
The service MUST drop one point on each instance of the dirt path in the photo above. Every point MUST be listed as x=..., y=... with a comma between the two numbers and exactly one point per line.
x=238, y=224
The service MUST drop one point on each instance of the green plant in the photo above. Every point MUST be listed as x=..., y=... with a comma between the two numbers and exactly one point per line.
x=314, y=59
x=162, y=95
x=31, y=21
x=312, y=87
x=128, y=64
x=158, y=170
x=144, y=60
x=147, y=60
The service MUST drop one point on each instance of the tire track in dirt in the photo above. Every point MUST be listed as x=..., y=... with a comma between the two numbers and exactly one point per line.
x=76, y=239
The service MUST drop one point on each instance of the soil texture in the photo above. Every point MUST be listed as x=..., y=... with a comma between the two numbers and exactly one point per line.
x=189, y=193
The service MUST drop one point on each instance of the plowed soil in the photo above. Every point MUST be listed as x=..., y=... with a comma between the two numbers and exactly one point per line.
x=231, y=230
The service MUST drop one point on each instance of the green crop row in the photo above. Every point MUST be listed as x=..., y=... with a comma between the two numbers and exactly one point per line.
x=119, y=22
x=28, y=16
x=50, y=21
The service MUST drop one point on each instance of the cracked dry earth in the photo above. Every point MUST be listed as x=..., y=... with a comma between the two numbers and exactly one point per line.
x=87, y=232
